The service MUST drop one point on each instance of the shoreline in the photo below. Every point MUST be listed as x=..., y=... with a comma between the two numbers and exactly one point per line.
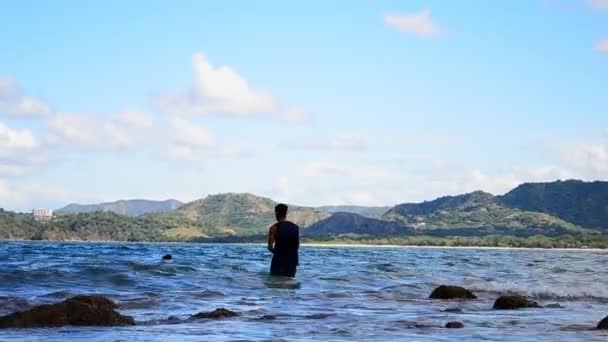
x=342, y=245
x=317, y=245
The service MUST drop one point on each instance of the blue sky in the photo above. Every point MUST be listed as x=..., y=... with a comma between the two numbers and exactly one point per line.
x=317, y=102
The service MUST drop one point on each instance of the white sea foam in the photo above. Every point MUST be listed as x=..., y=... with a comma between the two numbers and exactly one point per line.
x=595, y=292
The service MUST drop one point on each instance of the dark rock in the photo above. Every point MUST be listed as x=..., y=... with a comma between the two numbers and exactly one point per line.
x=318, y=316
x=417, y=324
x=167, y=257
x=514, y=301
x=451, y=292
x=9, y=304
x=454, y=325
x=455, y=310
x=79, y=310
x=554, y=306
x=216, y=314
x=603, y=324
x=268, y=318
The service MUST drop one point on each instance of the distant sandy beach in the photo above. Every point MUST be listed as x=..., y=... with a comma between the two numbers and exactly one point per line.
x=328, y=245
x=343, y=245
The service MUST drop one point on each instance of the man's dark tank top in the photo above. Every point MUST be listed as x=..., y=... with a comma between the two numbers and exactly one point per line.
x=287, y=243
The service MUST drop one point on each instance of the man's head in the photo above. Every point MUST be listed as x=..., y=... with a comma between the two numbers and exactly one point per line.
x=280, y=211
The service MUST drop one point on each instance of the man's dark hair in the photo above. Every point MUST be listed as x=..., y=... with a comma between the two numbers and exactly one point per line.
x=280, y=211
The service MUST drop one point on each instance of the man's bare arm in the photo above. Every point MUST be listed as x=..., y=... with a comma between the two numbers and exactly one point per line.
x=272, y=237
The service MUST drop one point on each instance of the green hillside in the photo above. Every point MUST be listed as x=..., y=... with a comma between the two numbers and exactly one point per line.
x=135, y=207
x=241, y=214
x=476, y=210
x=562, y=213
x=17, y=226
x=369, y=212
x=582, y=203
x=214, y=216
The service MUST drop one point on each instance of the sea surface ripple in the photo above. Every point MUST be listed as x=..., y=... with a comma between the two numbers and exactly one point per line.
x=341, y=293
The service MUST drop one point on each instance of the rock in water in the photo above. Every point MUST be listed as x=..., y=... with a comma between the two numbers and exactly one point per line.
x=454, y=325
x=603, y=324
x=451, y=292
x=167, y=257
x=79, y=310
x=217, y=313
x=514, y=301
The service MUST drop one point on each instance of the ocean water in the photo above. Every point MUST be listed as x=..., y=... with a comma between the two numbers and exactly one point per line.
x=340, y=294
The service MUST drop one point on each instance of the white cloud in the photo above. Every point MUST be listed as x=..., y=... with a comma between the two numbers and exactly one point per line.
x=286, y=190
x=135, y=118
x=369, y=185
x=598, y=4
x=444, y=178
x=302, y=191
x=190, y=134
x=323, y=168
x=11, y=139
x=17, y=169
x=222, y=91
x=14, y=103
x=418, y=24
x=189, y=141
x=501, y=183
x=26, y=197
x=330, y=143
x=602, y=45
x=121, y=132
x=20, y=153
x=425, y=176
x=8, y=197
x=590, y=161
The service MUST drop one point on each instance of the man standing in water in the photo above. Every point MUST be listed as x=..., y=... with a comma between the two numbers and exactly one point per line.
x=283, y=242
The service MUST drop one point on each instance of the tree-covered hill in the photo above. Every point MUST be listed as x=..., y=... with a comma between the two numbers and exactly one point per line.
x=353, y=224
x=370, y=212
x=242, y=214
x=135, y=207
x=571, y=209
x=477, y=212
x=582, y=203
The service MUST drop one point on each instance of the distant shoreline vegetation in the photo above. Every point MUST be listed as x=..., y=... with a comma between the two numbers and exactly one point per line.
x=538, y=241
x=562, y=214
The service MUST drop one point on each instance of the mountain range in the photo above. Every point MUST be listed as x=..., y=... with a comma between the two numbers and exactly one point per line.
x=371, y=212
x=135, y=207
x=555, y=209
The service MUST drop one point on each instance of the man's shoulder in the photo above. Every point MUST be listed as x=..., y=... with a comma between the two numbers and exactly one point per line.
x=292, y=224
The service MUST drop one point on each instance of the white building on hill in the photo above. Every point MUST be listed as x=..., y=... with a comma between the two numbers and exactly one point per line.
x=42, y=214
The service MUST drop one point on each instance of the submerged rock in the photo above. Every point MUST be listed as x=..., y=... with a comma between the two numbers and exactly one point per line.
x=603, y=324
x=554, y=306
x=167, y=257
x=454, y=325
x=215, y=314
x=514, y=301
x=79, y=310
x=451, y=292
x=454, y=310
x=318, y=316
